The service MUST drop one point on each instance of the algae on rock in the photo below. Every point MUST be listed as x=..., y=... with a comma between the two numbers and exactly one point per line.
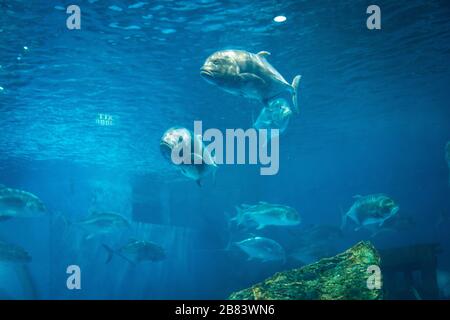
x=342, y=277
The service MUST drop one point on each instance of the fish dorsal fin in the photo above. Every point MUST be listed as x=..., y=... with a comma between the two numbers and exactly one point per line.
x=357, y=196
x=263, y=54
x=263, y=202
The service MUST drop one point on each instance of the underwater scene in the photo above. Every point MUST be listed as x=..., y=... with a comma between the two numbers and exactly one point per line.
x=235, y=149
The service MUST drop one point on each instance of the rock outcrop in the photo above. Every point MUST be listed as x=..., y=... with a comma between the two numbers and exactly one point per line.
x=342, y=277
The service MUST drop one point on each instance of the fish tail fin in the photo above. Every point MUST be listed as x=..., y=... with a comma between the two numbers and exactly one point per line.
x=343, y=219
x=67, y=224
x=230, y=227
x=110, y=253
x=238, y=217
x=295, y=85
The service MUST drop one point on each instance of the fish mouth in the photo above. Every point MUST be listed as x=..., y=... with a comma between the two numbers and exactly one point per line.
x=166, y=149
x=165, y=144
x=205, y=73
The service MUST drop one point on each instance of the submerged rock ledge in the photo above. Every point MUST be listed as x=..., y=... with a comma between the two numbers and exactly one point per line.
x=342, y=277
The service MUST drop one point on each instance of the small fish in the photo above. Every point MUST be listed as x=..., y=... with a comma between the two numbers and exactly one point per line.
x=261, y=248
x=201, y=163
x=265, y=214
x=249, y=75
x=370, y=211
x=136, y=251
x=11, y=253
x=274, y=116
x=18, y=203
x=103, y=223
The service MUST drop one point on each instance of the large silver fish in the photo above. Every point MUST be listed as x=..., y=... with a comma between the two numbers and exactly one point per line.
x=370, y=211
x=247, y=74
x=260, y=248
x=19, y=203
x=98, y=223
x=265, y=214
x=178, y=137
x=136, y=251
x=11, y=253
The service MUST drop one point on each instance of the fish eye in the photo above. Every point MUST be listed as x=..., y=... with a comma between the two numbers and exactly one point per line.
x=180, y=139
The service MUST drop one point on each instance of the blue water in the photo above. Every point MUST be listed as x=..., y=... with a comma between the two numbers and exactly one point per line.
x=375, y=117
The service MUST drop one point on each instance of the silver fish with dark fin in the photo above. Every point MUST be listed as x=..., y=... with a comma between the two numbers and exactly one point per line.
x=136, y=251
x=263, y=249
x=201, y=162
x=98, y=223
x=265, y=214
x=370, y=211
x=249, y=75
x=15, y=203
x=11, y=253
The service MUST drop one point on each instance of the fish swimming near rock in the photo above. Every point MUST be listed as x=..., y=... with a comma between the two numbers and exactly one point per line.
x=263, y=249
x=200, y=163
x=98, y=223
x=137, y=251
x=15, y=203
x=249, y=75
x=265, y=214
x=370, y=211
x=10, y=253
